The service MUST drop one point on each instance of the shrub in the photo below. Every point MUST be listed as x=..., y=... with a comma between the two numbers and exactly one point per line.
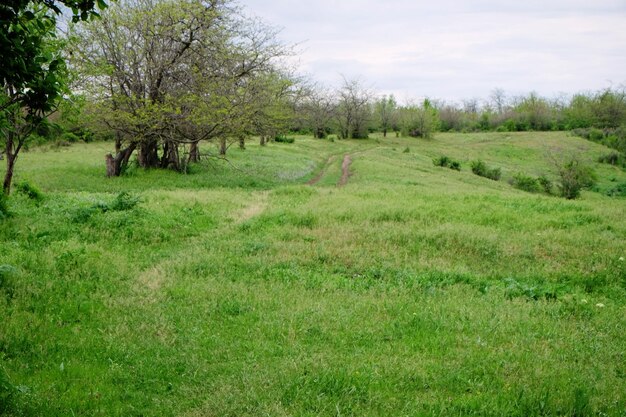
x=596, y=135
x=526, y=183
x=613, y=158
x=618, y=191
x=29, y=190
x=406, y=150
x=123, y=201
x=545, y=183
x=574, y=176
x=70, y=137
x=284, y=139
x=481, y=169
x=444, y=161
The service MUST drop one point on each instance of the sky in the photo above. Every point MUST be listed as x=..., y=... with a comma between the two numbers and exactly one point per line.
x=455, y=50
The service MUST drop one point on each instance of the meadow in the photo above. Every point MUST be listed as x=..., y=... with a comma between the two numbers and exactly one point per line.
x=240, y=289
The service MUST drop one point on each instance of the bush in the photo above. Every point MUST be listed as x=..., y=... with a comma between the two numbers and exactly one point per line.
x=613, y=158
x=574, y=176
x=446, y=162
x=526, y=183
x=123, y=201
x=596, y=135
x=442, y=161
x=545, y=183
x=29, y=191
x=70, y=137
x=481, y=169
x=284, y=139
x=617, y=191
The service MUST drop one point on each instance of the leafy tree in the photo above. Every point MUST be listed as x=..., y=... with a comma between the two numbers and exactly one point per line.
x=574, y=176
x=386, y=113
x=195, y=73
x=33, y=69
x=420, y=121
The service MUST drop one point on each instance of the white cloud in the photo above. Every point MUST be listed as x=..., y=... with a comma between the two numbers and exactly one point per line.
x=456, y=49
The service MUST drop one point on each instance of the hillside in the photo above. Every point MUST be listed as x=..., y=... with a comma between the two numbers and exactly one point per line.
x=258, y=286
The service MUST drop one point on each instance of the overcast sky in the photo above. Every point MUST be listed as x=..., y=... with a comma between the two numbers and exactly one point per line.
x=456, y=50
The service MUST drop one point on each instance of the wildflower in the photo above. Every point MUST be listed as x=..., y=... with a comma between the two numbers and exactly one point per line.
x=600, y=305
x=583, y=301
x=621, y=259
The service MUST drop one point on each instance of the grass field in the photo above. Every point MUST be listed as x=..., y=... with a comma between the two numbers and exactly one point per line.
x=240, y=290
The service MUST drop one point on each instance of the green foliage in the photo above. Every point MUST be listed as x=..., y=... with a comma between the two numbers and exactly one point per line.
x=611, y=137
x=574, y=177
x=618, y=191
x=7, y=390
x=481, y=169
x=534, y=292
x=284, y=139
x=526, y=183
x=545, y=183
x=419, y=121
x=123, y=201
x=29, y=190
x=444, y=161
x=613, y=158
x=4, y=208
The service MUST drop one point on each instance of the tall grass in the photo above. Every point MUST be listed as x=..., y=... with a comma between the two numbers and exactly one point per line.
x=413, y=290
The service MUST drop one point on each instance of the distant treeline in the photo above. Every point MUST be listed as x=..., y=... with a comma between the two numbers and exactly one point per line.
x=353, y=111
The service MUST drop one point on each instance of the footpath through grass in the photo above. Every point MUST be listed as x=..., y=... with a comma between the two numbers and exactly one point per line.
x=239, y=290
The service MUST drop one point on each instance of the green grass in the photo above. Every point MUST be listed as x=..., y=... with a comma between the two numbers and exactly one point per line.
x=238, y=290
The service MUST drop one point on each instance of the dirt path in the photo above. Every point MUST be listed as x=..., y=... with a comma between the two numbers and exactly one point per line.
x=345, y=170
x=319, y=176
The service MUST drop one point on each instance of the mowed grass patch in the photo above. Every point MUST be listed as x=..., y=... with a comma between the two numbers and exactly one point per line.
x=412, y=290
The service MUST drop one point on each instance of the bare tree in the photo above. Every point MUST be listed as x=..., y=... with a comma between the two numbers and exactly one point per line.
x=320, y=108
x=353, y=109
x=498, y=100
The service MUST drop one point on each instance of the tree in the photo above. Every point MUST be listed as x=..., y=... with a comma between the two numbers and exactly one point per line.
x=386, y=112
x=420, y=121
x=191, y=75
x=320, y=109
x=32, y=70
x=353, y=110
x=498, y=100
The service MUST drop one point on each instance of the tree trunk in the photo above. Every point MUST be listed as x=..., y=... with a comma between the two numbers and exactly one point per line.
x=194, y=152
x=148, y=154
x=262, y=141
x=170, y=156
x=118, y=142
x=115, y=165
x=8, y=176
x=12, y=150
x=242, y=142
x=384, y=133
x=222, y=146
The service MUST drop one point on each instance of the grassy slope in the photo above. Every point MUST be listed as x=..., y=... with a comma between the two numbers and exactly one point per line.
x=413, y=290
